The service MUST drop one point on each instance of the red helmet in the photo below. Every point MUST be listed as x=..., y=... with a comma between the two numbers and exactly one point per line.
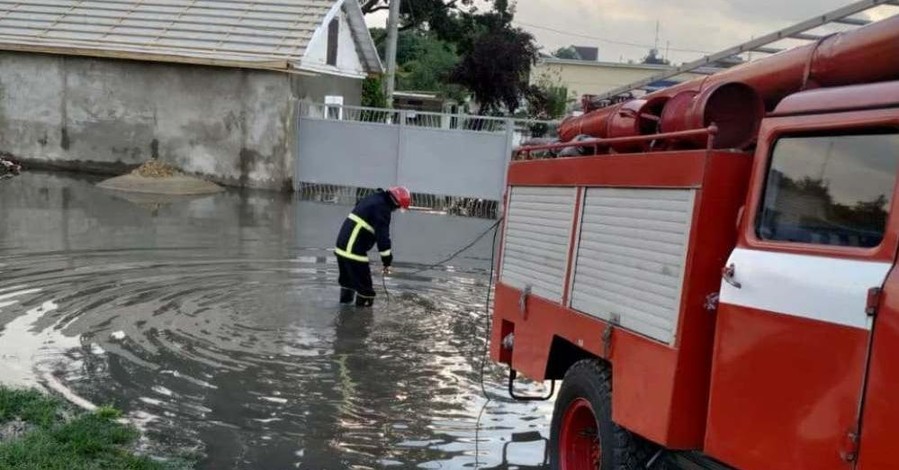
x=401, y=196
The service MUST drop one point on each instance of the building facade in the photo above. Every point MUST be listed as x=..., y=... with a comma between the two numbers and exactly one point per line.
x=584, y=77
x=211, y=86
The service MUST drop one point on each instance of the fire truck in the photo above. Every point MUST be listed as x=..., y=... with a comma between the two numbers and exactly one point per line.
x=708, y=268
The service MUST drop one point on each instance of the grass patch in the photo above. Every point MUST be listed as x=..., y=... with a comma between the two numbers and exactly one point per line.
x=50, y=434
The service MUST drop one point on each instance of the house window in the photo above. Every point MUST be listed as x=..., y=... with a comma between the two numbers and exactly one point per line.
x=333, y=37
x=830, y=190
x=333, y=107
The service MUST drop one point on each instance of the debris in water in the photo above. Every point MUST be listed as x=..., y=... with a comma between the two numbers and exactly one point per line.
x=162, y=390
x=156, y=169
x=119, y=335
x=274, y=399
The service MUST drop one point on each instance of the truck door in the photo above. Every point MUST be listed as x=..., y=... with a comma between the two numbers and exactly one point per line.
x=792, y=334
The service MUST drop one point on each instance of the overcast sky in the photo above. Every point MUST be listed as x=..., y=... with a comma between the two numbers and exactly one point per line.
x=686, y=26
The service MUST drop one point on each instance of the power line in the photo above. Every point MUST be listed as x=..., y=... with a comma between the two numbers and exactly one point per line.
x=606, y=40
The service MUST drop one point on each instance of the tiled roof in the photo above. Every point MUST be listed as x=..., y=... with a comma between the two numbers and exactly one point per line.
x=268, y=33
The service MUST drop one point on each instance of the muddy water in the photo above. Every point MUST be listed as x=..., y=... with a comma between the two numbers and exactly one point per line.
x=213, y=323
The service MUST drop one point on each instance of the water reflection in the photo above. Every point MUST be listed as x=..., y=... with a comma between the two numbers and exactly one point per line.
x=213, y=323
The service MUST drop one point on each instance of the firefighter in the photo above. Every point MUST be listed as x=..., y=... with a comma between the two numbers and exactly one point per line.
x=368, y=224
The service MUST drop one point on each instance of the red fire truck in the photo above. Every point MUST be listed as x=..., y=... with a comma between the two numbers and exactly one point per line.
x=711, y=276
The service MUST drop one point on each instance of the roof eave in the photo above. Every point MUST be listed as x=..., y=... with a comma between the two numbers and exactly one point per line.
x=279, y=65
x=364, y=41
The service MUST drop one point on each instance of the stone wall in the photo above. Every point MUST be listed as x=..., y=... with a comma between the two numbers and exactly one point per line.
x=233, y=126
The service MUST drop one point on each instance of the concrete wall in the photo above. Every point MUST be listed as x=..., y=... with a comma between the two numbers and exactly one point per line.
x=315, y=89
x=234, y=126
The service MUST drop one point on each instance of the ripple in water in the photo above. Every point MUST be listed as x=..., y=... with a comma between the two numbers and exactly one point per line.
x=230, y=344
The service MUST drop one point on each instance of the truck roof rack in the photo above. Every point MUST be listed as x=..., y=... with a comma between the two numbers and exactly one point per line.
x=798, y=32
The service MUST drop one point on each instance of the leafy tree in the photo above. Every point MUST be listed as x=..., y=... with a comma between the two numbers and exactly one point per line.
x=547, y=98
x=424, y=63
x=373, y=92
x=547, y=102
x=496, y=69
x=567, y=53
x=495, y=56
x=428, y=14
x=653, y=57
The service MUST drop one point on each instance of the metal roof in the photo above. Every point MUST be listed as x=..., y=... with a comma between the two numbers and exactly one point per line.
x=248, y=33
x=623, y=65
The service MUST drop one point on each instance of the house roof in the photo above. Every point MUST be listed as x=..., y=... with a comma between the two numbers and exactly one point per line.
x=270, y=34
x=590, y=63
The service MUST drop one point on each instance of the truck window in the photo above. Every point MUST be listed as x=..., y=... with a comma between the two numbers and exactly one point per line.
x=829, y=190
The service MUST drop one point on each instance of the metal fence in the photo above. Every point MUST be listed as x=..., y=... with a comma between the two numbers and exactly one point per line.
x=523, y=128
x=455, y=159
x=451, y=205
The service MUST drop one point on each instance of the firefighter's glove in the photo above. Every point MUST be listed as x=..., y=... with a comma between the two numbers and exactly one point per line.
x=387, y=260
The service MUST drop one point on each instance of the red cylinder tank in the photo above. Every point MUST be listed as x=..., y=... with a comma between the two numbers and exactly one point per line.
x=635, y=117
x=734, y=107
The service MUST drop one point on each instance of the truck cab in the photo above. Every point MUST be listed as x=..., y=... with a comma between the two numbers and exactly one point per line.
x=709, y=307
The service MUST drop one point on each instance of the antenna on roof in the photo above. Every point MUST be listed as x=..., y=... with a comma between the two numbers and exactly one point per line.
x=657, y=36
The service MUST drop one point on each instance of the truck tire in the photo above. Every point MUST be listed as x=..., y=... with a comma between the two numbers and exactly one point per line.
x=583, y=435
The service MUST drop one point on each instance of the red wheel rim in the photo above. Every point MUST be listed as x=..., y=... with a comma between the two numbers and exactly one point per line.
x=579, y=438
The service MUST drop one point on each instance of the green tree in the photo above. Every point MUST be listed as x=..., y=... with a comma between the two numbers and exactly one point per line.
x=566, y=53
x=653, y=57
x=547, y=101
x=424, y=62
x=373, y=92
x=433, y=15
x=494, y=57
x=497, y=67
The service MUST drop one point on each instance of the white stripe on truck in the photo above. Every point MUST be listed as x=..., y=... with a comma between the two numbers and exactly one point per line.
x=832, y=290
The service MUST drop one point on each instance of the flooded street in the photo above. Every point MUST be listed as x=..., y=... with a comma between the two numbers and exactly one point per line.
x=213, y=324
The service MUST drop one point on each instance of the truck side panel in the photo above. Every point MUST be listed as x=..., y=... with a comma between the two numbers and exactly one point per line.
x=660, y=385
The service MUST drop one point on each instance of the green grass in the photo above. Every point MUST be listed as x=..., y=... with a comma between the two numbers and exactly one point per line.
x=59, y=437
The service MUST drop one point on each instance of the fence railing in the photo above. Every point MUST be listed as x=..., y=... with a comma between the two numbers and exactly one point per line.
x=522, y=128
x=452, y=205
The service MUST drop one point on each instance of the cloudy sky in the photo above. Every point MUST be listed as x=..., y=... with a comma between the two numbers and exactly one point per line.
x=624, y=29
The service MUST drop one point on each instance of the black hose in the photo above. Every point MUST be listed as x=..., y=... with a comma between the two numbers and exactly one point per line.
x=477, y=429
x=462, y=250
x=384, y=283
x=487, y=312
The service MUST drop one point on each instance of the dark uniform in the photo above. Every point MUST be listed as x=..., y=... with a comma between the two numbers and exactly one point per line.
x=367, y=224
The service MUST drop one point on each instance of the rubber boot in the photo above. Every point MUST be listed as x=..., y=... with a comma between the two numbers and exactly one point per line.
x=364, y=301
x=347, y=296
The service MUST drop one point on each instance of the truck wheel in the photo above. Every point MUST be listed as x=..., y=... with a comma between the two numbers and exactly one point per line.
x=583, y=435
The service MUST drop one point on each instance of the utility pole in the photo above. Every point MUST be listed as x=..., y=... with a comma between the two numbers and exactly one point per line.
x=393, y=20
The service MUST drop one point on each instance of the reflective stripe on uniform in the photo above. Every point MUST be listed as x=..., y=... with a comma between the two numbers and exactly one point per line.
x=352, y=242
x=351, y=256
x=361, y=222
x=348, y=251
x=385, y=253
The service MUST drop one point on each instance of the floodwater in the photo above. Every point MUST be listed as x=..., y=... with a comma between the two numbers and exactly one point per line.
x=213, y=323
